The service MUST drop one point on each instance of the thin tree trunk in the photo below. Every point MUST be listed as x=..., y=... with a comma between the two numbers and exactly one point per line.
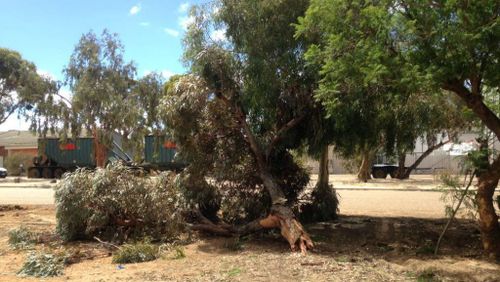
x=400, y=172
x=364, y=173
x=324, y=174
x=100, y=151
x=455, y=210
x=417, y=162
x=324, y=205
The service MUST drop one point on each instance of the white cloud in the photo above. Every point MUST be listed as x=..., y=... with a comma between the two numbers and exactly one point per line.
x=184, y=7
x=171, y=32
x=218, y=35
x=135, y=9
x=46, y=74
x=14, y=123
x=167, y=73
x=67, y=94
x=144, y=24
x=185, y=21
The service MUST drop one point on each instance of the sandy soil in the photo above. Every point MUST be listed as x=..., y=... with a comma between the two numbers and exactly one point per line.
x=354, y=248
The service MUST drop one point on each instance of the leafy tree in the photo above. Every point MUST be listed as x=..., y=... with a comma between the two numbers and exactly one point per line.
x=22, y=90
x=101, y=82
x=257, y=83
x=456, y=44
x=362, y=78
x=442, y=45
x=437, y=119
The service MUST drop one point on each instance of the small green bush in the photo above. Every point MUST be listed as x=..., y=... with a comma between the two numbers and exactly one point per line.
x=115, y=204
x=13, y=161
x=134, y=253
x=427, y=276
x=21, y=238
x=179, y=253
x=43, y=265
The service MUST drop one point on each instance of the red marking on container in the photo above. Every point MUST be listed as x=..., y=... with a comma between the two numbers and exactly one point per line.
x=69, y=147
x=169, y=145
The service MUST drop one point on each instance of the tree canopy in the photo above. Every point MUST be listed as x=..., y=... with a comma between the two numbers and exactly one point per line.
x=394, y=48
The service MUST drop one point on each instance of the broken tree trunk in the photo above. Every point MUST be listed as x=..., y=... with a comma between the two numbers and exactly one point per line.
x=281, y=216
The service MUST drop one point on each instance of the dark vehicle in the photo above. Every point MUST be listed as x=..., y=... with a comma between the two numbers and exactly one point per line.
x=3, y=172
x=382, y=170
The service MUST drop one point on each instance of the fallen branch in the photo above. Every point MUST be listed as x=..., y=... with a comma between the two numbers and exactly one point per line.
x=107, y=243
x=280, y=217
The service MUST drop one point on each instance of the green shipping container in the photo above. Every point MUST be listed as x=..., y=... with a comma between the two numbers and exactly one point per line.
x=73, y=153
x=158, y=150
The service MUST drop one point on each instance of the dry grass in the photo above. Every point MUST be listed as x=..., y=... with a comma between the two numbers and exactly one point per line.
x=352, y=249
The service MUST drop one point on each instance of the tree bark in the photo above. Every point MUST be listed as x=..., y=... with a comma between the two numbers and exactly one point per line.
x=488, y=219
x=488, y=179
x=400, y=172
x=407, y=171
x=474, y=101
x=364, y=173
x=281, y=216
x=324, y=174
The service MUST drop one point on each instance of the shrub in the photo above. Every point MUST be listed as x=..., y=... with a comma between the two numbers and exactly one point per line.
x=134, y=253
x=42, y=265
x=13, y=161
x=115, y=204
x=21, y=238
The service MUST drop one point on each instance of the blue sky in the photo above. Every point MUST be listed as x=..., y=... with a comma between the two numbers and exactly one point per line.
x=46, y=32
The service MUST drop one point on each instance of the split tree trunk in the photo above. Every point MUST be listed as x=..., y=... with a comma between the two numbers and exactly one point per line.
x=281, y=216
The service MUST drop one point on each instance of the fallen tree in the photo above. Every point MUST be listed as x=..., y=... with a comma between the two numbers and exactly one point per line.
x=234, y=118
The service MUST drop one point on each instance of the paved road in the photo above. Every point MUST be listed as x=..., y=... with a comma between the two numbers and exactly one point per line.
x=356, y=202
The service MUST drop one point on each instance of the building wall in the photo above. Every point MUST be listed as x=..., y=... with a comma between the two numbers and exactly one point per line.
x=436, y=161
x=24, y=151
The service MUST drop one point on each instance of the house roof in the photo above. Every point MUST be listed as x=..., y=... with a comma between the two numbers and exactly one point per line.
x=18, y=139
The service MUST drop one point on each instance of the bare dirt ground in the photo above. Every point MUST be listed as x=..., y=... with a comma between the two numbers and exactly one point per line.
x=354, y=248
x=386, y=232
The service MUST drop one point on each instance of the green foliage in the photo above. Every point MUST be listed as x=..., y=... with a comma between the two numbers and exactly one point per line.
x=256, y=74
x=135, y=253
x=179, y=253
x=13, y=161
x=427, y=276
x=452, y=190
x=101, y=82
x=41, y=264
x=321, y=206
x=21, y=238
x=115, y=204
x=211, y=142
